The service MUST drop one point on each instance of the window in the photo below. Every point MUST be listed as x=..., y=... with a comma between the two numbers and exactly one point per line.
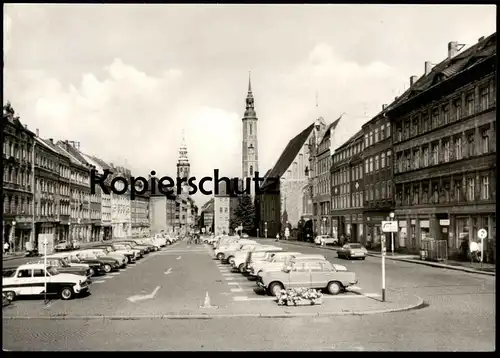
x=225, y=210
x=399, y=133
x=435, y=118
x=376, y=162
x=469, y=100
x=446, y=113
x=221, y=210
x=458, y=148
x=470, y=144
x=485, y=188
x=24, y=274
x=382, y=160
x=251, y=170
x=425, y=155
x=389, y=160
x=382, y=132
x=367, y=169
x=485, y=98
x=371, y=164
x=366, y=195
x=370, y=140
x=407, y=161
x=470, y=189
x=388, y=130
x=435, y=154
x=389, y=189
x=415, y=195
x=377, y=192
x=376, y=136
x=250, y=128
x=366, y=140
x=416, y=159
x=446, y=151
x=382, y=190
x=485, y=144
x=457, y=107
x=425, y=122
x=38, y=273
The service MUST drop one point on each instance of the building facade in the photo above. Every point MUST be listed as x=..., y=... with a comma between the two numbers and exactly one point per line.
x=377, y=166
x=64, y=191
x=18, y=188
x=162, y=211
x=140, y=216
x=347, y=189
x=249, y=151
x=121, y=219
x=444, y=145
x=207, y=215
x=224, y=206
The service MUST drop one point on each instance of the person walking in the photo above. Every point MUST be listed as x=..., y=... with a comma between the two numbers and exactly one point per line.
x=278, y=237
x=6, y=247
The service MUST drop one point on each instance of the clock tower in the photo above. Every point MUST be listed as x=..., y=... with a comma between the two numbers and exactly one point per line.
x=250, y=157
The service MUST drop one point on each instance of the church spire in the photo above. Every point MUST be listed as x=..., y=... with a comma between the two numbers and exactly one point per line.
x=183, y=154
x=250, y=110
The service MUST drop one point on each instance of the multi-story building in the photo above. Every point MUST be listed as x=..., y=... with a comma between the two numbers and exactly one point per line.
x=103, y=227
x=207, y=215
x=17, y=180
x=80, y=222
x=140, y=215
x=162, y=210
x=121, y=220
x=347, y=188
x=377, y=165
x=444, y=145
x=320, y=163
x=224, y=205
x=47, y=202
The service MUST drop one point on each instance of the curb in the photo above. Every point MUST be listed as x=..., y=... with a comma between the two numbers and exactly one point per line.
x=8, y=258
x=420, y=304
x=425, y=263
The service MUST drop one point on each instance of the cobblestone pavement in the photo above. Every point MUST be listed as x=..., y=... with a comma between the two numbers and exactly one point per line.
x=462, y=305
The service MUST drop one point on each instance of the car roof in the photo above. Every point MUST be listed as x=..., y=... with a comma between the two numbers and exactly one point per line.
x=311, y=257
x=33, y=266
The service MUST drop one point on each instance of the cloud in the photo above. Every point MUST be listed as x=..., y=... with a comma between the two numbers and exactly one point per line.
x=7, y=26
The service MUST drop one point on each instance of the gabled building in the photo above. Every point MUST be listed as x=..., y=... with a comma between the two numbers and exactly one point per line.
x=162, y=210
x=444, y=149
x=207, y=215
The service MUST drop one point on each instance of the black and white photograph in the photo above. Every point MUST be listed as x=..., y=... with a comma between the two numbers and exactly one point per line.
x=248, y=177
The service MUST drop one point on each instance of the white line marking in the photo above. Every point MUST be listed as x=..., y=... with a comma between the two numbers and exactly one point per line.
x=226, y=274
x=108, y=277
x=233, y=283
x=168, y=272
x=236, y=290
x=179, y=258
x=100, y=281
x=229, y=278
x=240, y=298
x=144, y=297
x=114, y=273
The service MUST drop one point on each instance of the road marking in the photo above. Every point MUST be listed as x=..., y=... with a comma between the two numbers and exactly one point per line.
x=108, y=277
x=100, y=281
x=234, y=278
x=179, y=258
x=233, y=283
x=144, y=297
x=226, y=274
x=168, y=272
x=236, y=290
x=114, y=273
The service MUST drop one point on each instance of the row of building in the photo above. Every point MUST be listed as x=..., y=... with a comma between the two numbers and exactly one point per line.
x=429, y=157
x=46, y=190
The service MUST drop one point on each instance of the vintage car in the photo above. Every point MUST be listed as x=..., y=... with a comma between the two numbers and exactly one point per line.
x=159, y=240
x=227, y=253
x=63, y=266
x=301, y=257
x=149, y=246
x=31, y=280
x=108, y=264
x=145, y=249
x=352, y=251
x=148, y=241
x=103, y=253
x=327, y=239
x=72, y=259
x=110, y=248
x=318, y=274
x=123, y=246
x=276, y=261
x=67, y=245
x=241, y=258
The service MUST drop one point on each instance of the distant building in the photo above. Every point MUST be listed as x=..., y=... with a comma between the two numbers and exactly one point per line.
x=207, y=215
x=224, y=205
x=162, y=212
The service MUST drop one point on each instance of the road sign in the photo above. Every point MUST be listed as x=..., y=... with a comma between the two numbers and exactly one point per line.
x=389, y=226
x=482, y=234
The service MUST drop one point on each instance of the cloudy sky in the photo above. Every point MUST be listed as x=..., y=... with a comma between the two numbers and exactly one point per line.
x=125, y=80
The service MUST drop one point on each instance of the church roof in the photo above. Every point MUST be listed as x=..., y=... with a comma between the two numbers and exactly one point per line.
x=288, y=155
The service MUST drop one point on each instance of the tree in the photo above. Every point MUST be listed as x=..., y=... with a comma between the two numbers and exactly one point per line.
x=244, y=214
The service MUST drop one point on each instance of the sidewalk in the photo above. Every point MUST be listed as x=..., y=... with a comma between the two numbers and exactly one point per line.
x=472, y=267
x=13, y=255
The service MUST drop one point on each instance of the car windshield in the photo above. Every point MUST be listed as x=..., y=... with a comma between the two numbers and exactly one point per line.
x=74, y=259
x=51, y=270
x=89, y=255
x=355, y=246
x=65, y=261
x=99, y=253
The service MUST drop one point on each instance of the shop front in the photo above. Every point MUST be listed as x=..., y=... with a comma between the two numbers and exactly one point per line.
x=373, y=231
x=357, y=228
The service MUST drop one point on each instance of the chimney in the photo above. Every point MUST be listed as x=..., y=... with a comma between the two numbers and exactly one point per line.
x=428, y=67
x=37, y=133
x=51, y=140
x=452, y=49
x=384, y=106
x=395, y=98
x=413, y=79
x=480, y=39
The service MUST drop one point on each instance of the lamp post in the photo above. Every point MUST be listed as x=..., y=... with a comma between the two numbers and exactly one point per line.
x=69, y=232
x=265, y=228
x=324, y=226
x=13, y=236
x=45, y=243
x=392, y=234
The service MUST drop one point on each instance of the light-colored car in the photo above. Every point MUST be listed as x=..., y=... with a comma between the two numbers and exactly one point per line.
x=110, y=249
x=245, y=236
x=242, y=257
x=327, y=239
x=72, y=258
x=274, y=261
x=222, y=248
x=127, y=248
x=288, y=259
x=228, y=253
x=319, y=274
x=100, y=253
x=352, y=251
x=67, y=245
x=160, y=240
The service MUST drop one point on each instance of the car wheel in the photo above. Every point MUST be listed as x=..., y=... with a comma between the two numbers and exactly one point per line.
x=66, y=293
x=363, y=258
x=230, y=259
x=220, y=256
x=107, y=268
x=348, y=257
x=242, y=268
x=91, y=271
x=10, y=295
x=169, y=242
x=334, y=288
x=275, y=289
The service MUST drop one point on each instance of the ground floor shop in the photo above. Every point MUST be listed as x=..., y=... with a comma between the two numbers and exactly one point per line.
x=17, y=233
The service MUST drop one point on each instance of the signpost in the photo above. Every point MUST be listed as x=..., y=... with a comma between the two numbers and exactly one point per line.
x=482, y=234
x=382, y=242
x=392, y=227
x=45, y=243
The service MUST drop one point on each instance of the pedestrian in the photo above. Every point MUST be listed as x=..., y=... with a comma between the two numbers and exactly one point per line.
x=322, y=240
x=278, y=237
x=6, y=247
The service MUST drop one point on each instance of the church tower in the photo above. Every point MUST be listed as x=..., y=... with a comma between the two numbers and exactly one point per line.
x=183, y=166
x=250, y=157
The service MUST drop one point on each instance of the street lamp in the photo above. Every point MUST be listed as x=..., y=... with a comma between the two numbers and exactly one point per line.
x=265, y=228
x=391, y=215
x=324, y=225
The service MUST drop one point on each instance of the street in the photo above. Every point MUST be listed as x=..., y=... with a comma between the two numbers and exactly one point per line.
x=174, y=283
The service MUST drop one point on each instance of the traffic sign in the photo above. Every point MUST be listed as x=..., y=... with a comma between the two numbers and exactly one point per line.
x=389, y=226
x=482, y=234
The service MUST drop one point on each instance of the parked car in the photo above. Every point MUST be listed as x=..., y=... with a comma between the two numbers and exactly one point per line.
x=30, y=280
x=241, y=257
x=260, y=255
x=103, y=253
x=327, y=239
x=319, y=274
x=159, y=239
x=148, y=241
x=108, y=264
x=244, y=236
x=142, y=242
x=95, y=266
x=352, y=251
x=276, y=260
x=288, y=259
x=227, y=254
x=67, y=245
x=123, y=246
x=63, y=266
x=110, y=248
x=145, y=248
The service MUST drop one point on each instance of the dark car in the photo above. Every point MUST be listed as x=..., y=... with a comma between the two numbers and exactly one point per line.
x=108, y=264
x=139, y=242
x=144, y=249
x=63, y=266
x=112, y=248
x=95, y=266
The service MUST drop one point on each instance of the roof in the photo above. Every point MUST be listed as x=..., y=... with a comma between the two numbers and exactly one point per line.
x=350, y=140
x=330, y=128
x=47, y=144
x=288, y=155
x=101, y=162
x=449, y=68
